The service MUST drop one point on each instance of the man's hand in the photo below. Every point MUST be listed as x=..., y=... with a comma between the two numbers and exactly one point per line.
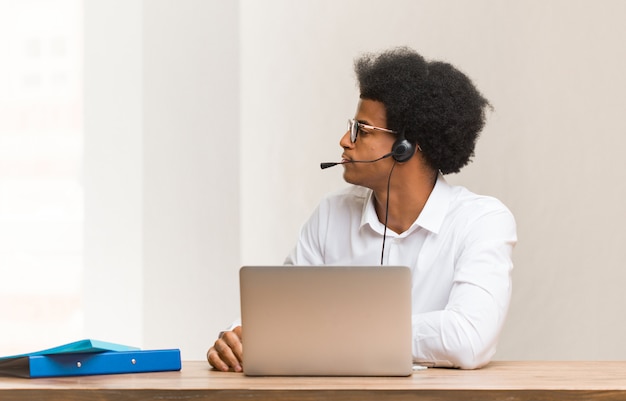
x=227, y=352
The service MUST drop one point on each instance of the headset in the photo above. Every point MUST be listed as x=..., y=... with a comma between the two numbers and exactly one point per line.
x=402, y=149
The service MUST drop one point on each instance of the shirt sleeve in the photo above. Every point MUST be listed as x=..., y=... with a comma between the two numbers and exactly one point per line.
x=464, y=334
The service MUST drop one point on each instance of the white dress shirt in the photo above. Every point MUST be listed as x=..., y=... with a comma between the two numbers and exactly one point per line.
x=459, y=251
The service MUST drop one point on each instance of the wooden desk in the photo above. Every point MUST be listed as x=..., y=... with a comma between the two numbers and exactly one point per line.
x=511, y=381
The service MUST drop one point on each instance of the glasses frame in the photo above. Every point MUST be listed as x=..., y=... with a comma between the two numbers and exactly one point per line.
x=354, y=127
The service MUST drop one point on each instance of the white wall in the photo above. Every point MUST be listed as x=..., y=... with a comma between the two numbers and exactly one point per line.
x=161, y=171
x=217, y=114
x=113, y=172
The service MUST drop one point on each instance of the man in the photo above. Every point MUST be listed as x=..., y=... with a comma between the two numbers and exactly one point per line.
x=415, y=122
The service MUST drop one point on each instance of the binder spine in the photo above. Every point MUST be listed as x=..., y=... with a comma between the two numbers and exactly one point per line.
x=114, y=362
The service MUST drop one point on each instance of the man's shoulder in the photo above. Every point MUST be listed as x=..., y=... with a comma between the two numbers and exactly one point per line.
x=464, y=198
x=472, y=207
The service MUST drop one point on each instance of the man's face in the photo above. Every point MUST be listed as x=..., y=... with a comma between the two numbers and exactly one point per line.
x=370, y=144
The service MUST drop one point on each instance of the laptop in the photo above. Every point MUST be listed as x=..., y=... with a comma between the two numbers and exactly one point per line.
x=326, y=320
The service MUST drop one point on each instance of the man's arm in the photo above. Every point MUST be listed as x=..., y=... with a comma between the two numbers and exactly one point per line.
x=465, y=333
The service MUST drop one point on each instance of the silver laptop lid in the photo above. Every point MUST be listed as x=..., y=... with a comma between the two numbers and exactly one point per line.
x=326, y=320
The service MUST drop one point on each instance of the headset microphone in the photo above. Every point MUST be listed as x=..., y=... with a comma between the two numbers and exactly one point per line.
x=328, y=164
x=331, y=164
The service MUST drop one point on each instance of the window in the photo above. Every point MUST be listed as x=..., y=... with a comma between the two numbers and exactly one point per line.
x=41, y=195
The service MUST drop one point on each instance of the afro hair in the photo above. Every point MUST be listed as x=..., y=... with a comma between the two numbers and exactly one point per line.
x=434, y=104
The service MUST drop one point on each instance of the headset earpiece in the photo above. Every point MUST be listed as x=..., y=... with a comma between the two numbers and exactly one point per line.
x=402, y=150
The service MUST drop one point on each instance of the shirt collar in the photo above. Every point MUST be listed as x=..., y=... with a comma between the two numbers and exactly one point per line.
x=436, y=206
x=431, y=217
x=368, y=216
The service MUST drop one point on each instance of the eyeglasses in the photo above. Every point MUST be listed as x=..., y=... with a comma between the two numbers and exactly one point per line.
x=354, y=127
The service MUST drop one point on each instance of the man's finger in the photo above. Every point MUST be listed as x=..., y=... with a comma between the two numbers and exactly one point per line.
x=215, y=361
x=233, y=341
x=226, y=354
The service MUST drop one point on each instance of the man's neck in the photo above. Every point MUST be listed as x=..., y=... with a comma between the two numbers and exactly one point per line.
x=407, y=198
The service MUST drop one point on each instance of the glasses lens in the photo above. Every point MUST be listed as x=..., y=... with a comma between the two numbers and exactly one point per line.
x=354, y=129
